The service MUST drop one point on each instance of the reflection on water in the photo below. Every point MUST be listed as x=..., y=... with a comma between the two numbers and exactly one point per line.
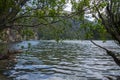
x=69, y=60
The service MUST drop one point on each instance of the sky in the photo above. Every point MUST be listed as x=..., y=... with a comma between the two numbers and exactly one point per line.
x=68, y=7
x=87, y=16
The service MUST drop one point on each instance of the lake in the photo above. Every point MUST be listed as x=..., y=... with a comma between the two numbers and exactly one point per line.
x=68, y=60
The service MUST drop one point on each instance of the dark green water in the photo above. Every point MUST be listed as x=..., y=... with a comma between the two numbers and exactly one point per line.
x=69, y=60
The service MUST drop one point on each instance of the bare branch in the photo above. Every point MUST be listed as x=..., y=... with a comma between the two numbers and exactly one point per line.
x=110, y=53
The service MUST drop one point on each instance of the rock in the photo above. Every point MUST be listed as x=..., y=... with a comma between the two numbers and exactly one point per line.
x=2, y=57
x=9, y=53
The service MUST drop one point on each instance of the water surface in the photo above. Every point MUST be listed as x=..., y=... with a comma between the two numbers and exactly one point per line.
x=69, y=60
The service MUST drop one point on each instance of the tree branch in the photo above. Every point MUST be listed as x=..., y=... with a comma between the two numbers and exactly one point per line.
x=36, y=25
x=110, y=53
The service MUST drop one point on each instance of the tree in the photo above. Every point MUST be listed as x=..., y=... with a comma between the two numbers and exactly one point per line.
x=110, y=17
x=8, y=11
x=29, y=13
x=105, y=12
x=17, y=14
x=107, y=17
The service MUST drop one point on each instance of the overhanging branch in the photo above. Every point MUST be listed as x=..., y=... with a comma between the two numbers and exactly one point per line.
x=36, y=25
x=110, y=53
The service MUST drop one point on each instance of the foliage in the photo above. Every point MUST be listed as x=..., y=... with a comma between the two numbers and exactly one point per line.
x=17, y=14
x=105, y=12
x=24, y=13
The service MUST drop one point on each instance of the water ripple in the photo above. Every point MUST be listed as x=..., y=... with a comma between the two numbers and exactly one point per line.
x=69, y=60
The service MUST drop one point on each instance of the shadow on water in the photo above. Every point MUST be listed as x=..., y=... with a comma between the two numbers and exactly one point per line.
x=69, y=60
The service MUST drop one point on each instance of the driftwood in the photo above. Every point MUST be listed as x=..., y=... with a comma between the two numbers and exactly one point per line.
x=110, y=53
